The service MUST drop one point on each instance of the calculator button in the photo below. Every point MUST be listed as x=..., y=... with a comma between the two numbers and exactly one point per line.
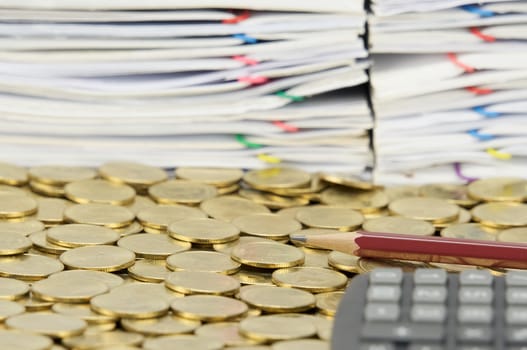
x=430, y=276
x=475, y=278
x=428, y=313
x=516, y=335
x=382, y=312
x=475, y=295
x=377, y=346
x=386, y=276
x=429, y=294
x=516, y=296
x=403, y=332
x=425, y=347
x=474, y=334
x=516, y=315
x=516, y=279
x=475, y=314
x=384, y=293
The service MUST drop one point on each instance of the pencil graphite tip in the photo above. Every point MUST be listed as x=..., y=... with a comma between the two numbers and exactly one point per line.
x=298, y=238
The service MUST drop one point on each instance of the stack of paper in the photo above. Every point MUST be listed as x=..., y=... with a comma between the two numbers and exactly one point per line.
x=176, y=82
x=449, y=89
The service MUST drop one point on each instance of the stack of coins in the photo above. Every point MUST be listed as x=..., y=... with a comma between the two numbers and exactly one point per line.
x=130, y=256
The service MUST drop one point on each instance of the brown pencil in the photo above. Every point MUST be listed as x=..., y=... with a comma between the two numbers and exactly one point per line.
x=422, y=248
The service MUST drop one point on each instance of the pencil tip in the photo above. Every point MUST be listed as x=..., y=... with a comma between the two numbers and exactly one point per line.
x=298, y=238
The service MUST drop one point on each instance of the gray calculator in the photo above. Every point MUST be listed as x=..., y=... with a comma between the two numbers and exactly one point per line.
x=430, y=309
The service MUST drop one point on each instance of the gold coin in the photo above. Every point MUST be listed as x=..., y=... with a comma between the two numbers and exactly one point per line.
x=140, y=203
x=312, y=232
x=517, y=234
x=342, y=219
x=301, y=344
x=131, y=229
x=32, y=304
x=315, y=257
x=328, y=303
x=29, y=267
x=503, y=189
x=133, y=174
x=10, y=308
x=57, y=175
x=311, y=279
x=159, y=217
x=226, y=248
x=254, y=277
x=344, y=262
x=10, y=339
x=152, y=246
x=289, y=212
x=51, y=210
x=277, y=327
x=99, y=191
x=53, y=325
x=434, y=210
x=227, y=208
x=181, y=192
x=13, y=243
x=263, y=179
x=99, y=258
x=463, y=217
x=202, y=261
x=228, y=189
x=201, y=282
x=226, y=332
x=208, y=231
x=39, y=240
x=11, y=289
x=16, y=206
x=501, y=215
x=208, y=308
x=23, y=227
x=166, y=325
x=103, y=340
x=12, y=190
x=99, y=214
x=100, y=328
x=470, y=231
x=252, y=347
x=398, y=192
x=79, y=235
x=82, y=311
x=47, y=190
x=137, y=300
x=67, y=291
x=346, y=180
x=220, y=177
x=399, y=224
x=111, y=280
x=272, y=201
x=456, y=194
x=363, y=201
x=267, y=225
x=268, y=255
x=182, y=342
x=277, y=299
x=367, y=265
x=324, y=327
x=11, y=174
x=146, y=270
x=310, y=192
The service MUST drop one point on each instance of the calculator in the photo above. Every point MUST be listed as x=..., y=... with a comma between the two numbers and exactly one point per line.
x=430, y=309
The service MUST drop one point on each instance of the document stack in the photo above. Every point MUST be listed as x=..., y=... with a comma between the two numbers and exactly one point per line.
x=449, y=89
x=195, y=83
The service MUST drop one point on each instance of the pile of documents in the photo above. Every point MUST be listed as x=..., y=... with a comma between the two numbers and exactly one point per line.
x=449, y=89
x=185, y=83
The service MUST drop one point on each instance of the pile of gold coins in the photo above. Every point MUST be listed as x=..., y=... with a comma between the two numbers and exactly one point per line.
x=129, y=256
